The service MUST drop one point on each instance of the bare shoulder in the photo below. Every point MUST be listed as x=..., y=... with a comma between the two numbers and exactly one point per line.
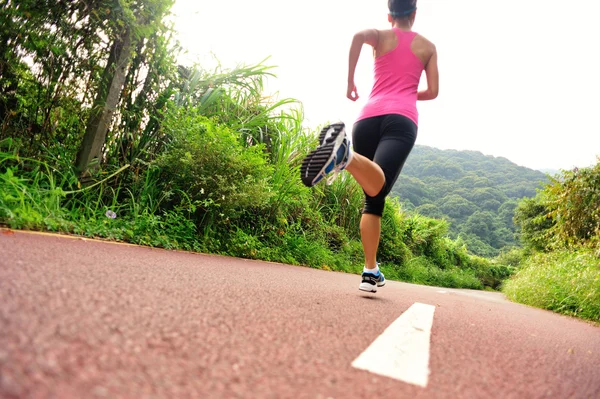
x=423, y=48
x=424, y=43
x=387, y=42
x=387, y=34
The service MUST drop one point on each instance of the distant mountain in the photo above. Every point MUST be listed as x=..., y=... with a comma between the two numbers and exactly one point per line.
x=476, y=193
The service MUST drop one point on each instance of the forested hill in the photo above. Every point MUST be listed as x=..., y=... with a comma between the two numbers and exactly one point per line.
x=476, y=193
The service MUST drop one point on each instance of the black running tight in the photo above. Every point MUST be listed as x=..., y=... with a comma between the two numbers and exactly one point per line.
x=387, y=140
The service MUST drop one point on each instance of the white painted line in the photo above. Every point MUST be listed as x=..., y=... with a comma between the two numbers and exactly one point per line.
x=402, y=350
x=443, y=292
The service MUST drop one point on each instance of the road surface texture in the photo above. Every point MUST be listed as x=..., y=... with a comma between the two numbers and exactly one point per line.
x=89, y=319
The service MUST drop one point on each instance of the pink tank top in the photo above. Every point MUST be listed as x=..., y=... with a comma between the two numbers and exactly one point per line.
x=396, y=81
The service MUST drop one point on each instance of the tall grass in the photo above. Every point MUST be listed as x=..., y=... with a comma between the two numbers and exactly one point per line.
x=566, y=282
x=33, y=198
x=421, y=270
x=36, y=196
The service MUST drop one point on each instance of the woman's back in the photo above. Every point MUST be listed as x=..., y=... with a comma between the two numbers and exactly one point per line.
x=400, y=58
x=422, y=48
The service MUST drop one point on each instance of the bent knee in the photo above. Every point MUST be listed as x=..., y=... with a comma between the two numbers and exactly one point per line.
x=374, y=206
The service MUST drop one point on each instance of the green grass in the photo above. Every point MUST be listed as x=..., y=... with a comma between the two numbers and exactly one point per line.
x=34, y=196
x=421, y=270
x=566, y=282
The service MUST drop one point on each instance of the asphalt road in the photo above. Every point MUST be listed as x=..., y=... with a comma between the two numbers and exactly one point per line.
x=89, y=319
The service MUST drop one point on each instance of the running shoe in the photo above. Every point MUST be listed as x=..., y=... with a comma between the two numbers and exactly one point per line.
x=331, y=156
x=371, y=281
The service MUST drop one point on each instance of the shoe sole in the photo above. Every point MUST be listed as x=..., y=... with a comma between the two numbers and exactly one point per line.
x=367, y=287
x=330, y=131
x=315, y=163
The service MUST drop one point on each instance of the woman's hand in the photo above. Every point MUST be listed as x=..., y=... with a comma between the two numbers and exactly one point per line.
x=351, y=93
x=368, y=36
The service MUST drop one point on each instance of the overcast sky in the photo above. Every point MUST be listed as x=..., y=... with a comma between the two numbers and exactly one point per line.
x=519, y=79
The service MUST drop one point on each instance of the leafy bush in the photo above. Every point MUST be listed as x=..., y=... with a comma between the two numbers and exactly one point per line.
x=341, y=204
x=574, y=203
x=564, y=214
x=489, y=273
x=512, y=257
x=532, y=216
x=217, y=173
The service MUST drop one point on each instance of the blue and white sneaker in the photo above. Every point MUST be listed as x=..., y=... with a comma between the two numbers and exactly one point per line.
x=331, y=156
x=329, y=131
x=371, y=281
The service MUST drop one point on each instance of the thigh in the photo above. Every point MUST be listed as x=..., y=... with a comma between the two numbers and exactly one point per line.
x=365, y=136
x=398, y=136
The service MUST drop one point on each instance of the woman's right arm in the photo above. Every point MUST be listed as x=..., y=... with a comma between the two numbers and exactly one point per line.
x=368, y=36
x=433, y=78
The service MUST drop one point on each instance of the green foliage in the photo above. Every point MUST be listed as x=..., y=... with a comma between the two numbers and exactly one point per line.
x=512, y=258
x=477, y=246
x=491, y=274
x=422, y=234
x=566, y=213
x=393, y=246
x=430, y=210
x=420, y=270
x=560, y=228
x=476, y=194
x=574, y=203
x=532, y=216
x=52, y=55
x=341, y=203
x=456, y=207
x=24, y=207
x=213, y=168
x=562, y=281
x=34, y=196
x=417, y=249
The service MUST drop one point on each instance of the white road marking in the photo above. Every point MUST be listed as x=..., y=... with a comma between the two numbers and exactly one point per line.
x=402, y=350
x=443, y=292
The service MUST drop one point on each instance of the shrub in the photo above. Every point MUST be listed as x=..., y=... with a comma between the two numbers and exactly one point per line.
x=217, y=173
x=574, y=200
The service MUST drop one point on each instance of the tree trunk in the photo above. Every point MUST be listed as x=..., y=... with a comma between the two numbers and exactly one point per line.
x=107, y=99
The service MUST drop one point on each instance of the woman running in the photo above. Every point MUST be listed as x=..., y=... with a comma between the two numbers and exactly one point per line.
x=386, y=128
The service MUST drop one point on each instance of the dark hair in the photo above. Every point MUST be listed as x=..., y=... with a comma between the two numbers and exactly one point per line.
x=400, y=9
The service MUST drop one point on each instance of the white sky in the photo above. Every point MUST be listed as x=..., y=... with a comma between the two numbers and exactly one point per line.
x=518, y=78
